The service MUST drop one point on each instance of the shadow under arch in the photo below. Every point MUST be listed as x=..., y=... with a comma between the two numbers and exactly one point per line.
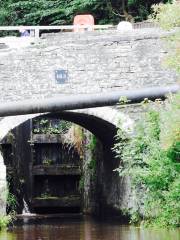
x=104, y=130
x=101, y=121
x=108, y=182
x=107, y=179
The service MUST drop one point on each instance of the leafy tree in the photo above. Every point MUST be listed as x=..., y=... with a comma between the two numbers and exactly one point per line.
x=42, y=12
x=166, y=15
x=54, y=12
x=141, y=9
x=4, y=14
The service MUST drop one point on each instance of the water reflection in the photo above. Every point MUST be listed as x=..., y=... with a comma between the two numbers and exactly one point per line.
x=87, y=229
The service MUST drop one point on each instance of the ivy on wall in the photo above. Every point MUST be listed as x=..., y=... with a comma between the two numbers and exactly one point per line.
x=152, y=156
x=152, y=160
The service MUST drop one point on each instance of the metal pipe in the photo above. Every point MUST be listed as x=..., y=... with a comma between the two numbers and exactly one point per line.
x=81, y=101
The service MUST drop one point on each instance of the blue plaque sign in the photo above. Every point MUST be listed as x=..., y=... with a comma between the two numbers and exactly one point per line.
x=61, y=76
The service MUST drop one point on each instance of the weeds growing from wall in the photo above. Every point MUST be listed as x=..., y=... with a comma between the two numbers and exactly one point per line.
x=151, y=159
x=48, y=126
x=4, y=221
x=152, y=156
x=167, y=16
x=11, y=202
x=92, y=164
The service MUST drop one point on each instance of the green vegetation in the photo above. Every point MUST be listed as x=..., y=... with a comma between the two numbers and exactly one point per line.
x=140, y=9
x=47, y=162
x=47, y=196
x=173, y=58
x=92, y=164
x=11, y=203
x=47, y=126
x=81, y=183
x=168, y=17
x=11, y=206
x=4, y=221
x=59, y=12
x=151, y=158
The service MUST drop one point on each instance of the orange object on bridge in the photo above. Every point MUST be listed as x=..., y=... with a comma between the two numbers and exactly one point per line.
x=80, y=20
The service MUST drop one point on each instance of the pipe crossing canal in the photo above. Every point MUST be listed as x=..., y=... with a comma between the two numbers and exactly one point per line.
x=82, y=101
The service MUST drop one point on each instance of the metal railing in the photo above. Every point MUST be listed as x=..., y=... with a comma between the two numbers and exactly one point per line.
x=140, y=25
x=35, y=30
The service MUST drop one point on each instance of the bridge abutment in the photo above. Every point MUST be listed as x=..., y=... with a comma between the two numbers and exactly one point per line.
x=3, y=186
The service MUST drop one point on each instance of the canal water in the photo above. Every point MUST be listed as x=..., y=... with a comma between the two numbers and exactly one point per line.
x=83, y=229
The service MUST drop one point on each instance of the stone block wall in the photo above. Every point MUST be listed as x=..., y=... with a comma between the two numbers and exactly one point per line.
x=95, y=61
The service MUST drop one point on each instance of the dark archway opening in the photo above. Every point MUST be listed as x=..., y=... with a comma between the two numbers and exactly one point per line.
x=28, y=180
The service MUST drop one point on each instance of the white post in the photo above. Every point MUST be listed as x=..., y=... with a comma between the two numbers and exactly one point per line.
x=36, y=30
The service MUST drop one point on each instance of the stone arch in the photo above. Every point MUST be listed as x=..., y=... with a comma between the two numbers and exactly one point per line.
x=101, y=121
x=106, y=115
x=111, y=115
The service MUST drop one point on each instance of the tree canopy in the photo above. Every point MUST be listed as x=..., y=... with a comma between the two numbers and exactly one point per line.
x=59, y=12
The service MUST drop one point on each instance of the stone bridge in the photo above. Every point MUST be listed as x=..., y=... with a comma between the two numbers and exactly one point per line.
x=92, y=62
x=74, y=63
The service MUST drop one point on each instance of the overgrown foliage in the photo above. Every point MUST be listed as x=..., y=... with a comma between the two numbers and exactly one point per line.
x=152, y=156
x=4, y=221
x=58, y=12
x=151, y=159
x=140, y=9
x=168, y=17
x=173, y=58
x=10, y=199
x=92, y=164
x=48, y=126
